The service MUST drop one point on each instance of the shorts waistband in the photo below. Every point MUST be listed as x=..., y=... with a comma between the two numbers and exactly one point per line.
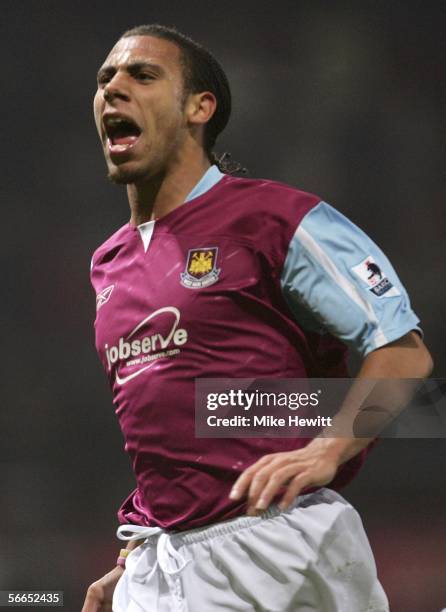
x=208, y=532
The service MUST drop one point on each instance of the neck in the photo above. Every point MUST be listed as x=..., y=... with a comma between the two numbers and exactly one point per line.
x=165, y=191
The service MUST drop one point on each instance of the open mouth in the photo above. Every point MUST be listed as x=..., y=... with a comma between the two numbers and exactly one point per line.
x=122, y=133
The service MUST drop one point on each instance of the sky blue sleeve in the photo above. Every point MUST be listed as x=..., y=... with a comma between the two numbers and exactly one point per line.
x=336, y=279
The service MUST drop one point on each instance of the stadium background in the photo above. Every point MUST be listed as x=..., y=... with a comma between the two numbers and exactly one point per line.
x=343, y=99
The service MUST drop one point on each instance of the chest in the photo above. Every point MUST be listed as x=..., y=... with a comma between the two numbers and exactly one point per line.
x=181, y=281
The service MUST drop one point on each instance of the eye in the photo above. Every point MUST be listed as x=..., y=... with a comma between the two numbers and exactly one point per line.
x=103, y=78
x=144, y=76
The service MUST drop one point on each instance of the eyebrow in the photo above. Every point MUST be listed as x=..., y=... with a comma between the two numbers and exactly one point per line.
x=132, y=66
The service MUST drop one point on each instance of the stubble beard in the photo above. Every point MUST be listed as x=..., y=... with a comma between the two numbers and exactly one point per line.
x=156, y=162
x=119, y=176
x=125, y=174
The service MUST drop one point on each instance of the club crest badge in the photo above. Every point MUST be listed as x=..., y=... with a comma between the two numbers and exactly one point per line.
x=374, y=277
x=201, y=268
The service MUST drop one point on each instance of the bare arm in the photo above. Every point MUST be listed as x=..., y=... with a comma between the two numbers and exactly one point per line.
x=99, y=595
x=317, y=463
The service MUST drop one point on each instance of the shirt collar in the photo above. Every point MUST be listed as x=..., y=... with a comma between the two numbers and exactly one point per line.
x=208, y=180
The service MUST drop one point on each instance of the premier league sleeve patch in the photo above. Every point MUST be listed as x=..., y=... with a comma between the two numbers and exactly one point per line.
x=375, y=278
x=201, y=268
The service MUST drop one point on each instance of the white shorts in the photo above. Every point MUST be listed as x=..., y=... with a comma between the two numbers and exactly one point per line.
x=315, y=556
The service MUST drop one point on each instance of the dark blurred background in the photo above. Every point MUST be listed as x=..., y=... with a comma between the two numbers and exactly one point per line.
x=344, y=99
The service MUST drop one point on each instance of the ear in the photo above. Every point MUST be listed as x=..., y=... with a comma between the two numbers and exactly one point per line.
x=200, y=107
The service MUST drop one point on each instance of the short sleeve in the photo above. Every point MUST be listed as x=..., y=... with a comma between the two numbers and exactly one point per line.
x=336, y=279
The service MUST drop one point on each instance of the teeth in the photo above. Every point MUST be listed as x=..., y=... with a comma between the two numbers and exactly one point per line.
x=114, y=120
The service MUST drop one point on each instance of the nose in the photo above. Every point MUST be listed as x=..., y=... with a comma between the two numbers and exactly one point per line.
x=115, y=88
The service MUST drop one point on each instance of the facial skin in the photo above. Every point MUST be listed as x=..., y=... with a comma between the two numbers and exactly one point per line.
x=141, y=80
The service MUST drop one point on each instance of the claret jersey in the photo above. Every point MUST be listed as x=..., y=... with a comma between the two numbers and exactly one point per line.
x=246, y=279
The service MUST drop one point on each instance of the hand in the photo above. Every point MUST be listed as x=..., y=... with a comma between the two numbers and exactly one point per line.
x=100, y=593
x=314, y=465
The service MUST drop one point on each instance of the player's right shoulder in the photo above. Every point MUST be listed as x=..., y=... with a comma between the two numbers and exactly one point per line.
x=111, y=247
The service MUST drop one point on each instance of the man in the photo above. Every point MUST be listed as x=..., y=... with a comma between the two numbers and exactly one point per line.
x=217, y=276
